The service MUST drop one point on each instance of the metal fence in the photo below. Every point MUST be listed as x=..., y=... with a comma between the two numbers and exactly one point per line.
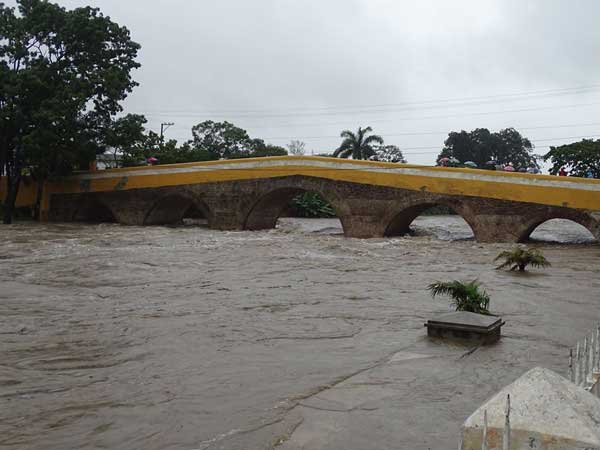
x=584, y=363
x=505, y=432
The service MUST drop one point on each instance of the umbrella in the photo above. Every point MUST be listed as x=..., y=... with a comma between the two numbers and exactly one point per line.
x=509, y=168
x=444, y=159
x=454, y=161
x=471, y=164
x=152, y=159
x=491, y=162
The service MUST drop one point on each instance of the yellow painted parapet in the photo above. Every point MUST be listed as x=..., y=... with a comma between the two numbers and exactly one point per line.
x=27, y=192
x=579, y=193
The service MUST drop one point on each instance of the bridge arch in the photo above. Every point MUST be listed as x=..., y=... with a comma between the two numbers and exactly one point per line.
x=94, y=210
x=170, y=209
x=398, y=223
x=265, y=211
x=580, y=217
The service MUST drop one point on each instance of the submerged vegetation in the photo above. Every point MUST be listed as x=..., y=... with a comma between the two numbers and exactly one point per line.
x=466, y=296
x=311, y=204
x=520, y=258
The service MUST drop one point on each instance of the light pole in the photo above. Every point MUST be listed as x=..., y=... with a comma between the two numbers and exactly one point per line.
x=163, y=127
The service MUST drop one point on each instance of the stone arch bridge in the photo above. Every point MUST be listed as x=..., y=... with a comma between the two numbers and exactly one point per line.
x=371, y=199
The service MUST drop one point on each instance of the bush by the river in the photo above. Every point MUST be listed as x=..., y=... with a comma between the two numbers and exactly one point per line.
x=310, y=204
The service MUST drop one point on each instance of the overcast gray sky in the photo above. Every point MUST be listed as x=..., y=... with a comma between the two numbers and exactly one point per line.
x=413, y=70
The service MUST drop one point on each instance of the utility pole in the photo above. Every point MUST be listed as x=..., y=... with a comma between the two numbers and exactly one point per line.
x=163, y=127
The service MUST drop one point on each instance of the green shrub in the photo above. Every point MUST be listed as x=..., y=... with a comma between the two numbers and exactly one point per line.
x=311, y=204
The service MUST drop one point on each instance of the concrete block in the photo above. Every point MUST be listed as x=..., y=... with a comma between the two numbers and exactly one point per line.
x=466, y=325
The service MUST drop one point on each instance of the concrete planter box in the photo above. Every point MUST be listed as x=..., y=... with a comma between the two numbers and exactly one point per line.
x=466, y=325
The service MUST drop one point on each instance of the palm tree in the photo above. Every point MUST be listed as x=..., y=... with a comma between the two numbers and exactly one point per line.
x=466, y=296
x=358, y=145
x=522, y=257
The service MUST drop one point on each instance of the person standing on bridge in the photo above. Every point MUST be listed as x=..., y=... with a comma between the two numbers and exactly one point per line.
x=562, y=172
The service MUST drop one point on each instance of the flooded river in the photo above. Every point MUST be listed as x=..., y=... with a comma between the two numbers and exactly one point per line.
x=186, y=338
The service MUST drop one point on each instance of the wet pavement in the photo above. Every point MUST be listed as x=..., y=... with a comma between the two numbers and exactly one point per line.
x=296, y=338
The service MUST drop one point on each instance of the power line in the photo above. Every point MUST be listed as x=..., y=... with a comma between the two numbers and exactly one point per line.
x=514, y=96
x=431, y=133
x=354, y=113
x=466, y=114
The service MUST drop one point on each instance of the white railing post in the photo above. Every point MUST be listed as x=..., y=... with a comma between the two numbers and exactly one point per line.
x=590, y=359
x=583, y=361
x=484, y=445
x=506, y=434
x=577, y=367
x=571, y=372
x=597, y=351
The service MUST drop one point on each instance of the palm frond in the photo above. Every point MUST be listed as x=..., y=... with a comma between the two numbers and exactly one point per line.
x=538, y=260
x=503, y=255
x=374, y=138
x=466, y=296
x=345, y=145
x=343, y=152
x=347, y=134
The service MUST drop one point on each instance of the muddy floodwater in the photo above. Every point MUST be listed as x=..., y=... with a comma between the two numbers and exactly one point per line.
x=161, y=338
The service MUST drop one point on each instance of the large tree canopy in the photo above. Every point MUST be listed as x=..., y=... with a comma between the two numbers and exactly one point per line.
x=480, y=146
x=579, y=158
x=358, y=145
x=126, y=136
x=224, y=140
x=221, y=139
x=62, y=76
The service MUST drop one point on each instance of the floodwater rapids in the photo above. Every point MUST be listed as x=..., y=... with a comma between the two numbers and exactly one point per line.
x=116, y=337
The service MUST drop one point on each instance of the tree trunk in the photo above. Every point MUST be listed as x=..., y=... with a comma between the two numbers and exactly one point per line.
x=38, y=198
x=11, y=198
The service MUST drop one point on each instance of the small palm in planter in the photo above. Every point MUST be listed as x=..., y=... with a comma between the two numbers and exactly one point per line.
x=520, y=258
x=466, y=296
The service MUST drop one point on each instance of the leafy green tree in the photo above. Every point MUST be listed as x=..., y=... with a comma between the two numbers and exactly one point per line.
x=258, y=149
x=167, y=152
x=62, y=76
x=388, y=153
x=466, y=296
x=520, y=258
x=480, y=146
x=222, y=139
x=359, y=145
x=170, y=153
x=126, y=136
x=579, y=158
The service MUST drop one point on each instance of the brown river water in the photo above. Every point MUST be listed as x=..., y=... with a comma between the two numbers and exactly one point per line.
x=117, y=337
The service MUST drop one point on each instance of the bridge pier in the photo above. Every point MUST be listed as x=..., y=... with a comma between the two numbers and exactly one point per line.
x=362, y=226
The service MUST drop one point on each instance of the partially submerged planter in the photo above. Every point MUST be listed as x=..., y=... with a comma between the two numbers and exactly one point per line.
x=466, y=325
